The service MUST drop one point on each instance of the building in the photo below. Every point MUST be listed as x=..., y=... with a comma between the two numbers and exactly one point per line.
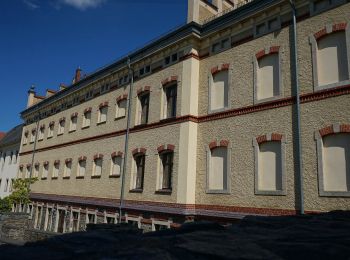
x=213, y=123
x=9, y=150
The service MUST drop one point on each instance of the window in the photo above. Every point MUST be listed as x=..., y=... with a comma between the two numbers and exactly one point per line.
x=267, y=84
x=67, y=168
x=143, y=108
x=28, y=168
x=145, y=70
x=6, y=185
x=56, y=170
x=102, y=115
x=219, y=91
x=73, y=123
x=139, y=170
x=61, y=126
x=97, y=167
x=45, y=171
x=318, y=6
x=10, y=185
x=166, y=159
x=91, y=218
x=21, y=172
x=267, y=26
x=221, y=45
x=25, y=137
x=36, y=170
x=104, y=88
x=75, y=220
x=171, y=59
x=32, y=136
x=81, y=168
x=86, y=119
x=110, y=220
x=218, y=170
x=41, y=133
x=334, y=164
x=121, y=108
x=116, y=165
x=49, y=219
x=89, y=94
x=170, y=101
x=51, y=129
x=11, y=157
x=269, y=172
x=331, y=60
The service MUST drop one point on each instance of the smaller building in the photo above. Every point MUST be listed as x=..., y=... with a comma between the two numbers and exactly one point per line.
x=9, y=149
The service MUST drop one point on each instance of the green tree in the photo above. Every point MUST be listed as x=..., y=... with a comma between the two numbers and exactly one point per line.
x=21, y=190
x=5, y=205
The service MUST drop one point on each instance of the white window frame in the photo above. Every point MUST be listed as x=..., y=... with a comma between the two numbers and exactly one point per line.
x=73, y=123
x=283, y=190
x=314, y=49
x=79, y=174
x=118, y=108
x=95, y=165
x=86, y=122
x=61, y=127
x=100, y=110
x=113, y=164
x=51, y=130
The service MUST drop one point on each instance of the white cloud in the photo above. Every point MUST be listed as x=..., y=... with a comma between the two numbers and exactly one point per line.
x=31, y=5
x=83, y=4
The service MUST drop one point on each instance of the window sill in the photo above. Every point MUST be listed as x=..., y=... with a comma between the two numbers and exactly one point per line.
x=114, y=176
x=218, y=192
x=334, y=193
x=164, y=191
x=332, y=85
x=95, y=176
x=49, y=137
x=136, y=191
x=60, y=134
x=44, y=178
x=119, y=118
x=101, y=123
x=66, y=177
x=79, y=177
x=72, y=131
x=40, y=140
x=218, y=110
x=54, y=178
x=170, y=119
x=85, y=127
x=265, y=100
x=270, y=192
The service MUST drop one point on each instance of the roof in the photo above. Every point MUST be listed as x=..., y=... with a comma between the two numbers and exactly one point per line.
x=171, y=37
x=13, y=136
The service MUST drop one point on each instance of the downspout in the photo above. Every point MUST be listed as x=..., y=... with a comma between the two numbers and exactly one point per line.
x=298, y=121
x=34, y=150
x=126, y=144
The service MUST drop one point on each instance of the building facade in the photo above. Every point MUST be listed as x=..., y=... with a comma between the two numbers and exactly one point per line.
x=9, y=159
x=213, y=123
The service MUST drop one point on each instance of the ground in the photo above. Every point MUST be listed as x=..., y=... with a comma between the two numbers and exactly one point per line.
x=322, y=236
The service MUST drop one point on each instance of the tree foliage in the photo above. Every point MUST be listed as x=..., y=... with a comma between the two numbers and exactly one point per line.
x=5, y=205
x=21, y=190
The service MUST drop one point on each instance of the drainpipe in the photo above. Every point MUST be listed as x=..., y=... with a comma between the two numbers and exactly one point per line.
x=298, y=121
x=34, y=150
x=126, y=145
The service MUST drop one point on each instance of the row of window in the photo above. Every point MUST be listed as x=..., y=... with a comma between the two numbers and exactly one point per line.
x=138, y=169
x=13, y=156
x=169, y=111
x=334, y=160
x=330, y=62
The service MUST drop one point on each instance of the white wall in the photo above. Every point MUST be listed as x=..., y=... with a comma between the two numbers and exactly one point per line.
x=8, y=169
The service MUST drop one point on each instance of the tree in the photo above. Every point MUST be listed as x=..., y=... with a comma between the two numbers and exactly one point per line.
x=21, y=190
x=5, y=205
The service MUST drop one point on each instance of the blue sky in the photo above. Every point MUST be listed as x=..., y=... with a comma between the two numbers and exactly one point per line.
x=43, y=41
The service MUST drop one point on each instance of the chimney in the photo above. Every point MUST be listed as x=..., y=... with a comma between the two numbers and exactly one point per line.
x=31, y=96
x=193, y=11
x=77, y=76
